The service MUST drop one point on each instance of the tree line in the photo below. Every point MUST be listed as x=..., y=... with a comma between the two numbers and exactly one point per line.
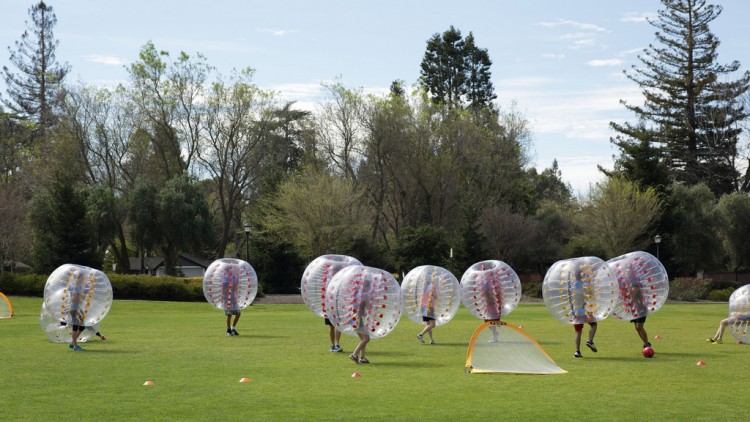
x=181, y=157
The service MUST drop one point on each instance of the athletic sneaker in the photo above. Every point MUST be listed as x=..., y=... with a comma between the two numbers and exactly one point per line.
x=234, y=332
x=710, y=340
x=420, y=338
x=364, y=360
x=229, y=332
x=591, y=346
x=78, y=348
x=718, y=342
x=354, y=358
x=70, y=346
x=337, y=348
x=577, y=355
x=432, y=342
x=332, y=349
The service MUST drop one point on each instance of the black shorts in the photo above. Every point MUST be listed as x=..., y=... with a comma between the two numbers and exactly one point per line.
x=328, y=322
x=78, y=327
x=640, y=320
x=426, y=318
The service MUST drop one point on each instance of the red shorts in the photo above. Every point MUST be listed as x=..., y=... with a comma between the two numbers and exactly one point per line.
x=579, y=327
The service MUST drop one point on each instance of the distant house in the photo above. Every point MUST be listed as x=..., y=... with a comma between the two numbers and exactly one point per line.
x=188, y=265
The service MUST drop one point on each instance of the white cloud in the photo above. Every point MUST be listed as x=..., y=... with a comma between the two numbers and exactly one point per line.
x=631, y=51
x=553, y=56
x=638, y=17
x=275, y=32
x=604, y=62
x=574, y=24
x=107, y=60
x=581, y=43
x=298, y=91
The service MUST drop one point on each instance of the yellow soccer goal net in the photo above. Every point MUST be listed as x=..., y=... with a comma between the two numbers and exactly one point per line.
x=499, y=347
x=6, y=309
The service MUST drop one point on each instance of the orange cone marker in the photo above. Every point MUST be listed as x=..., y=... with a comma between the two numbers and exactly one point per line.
x=657, y=337
x=701, y=363
x=244, y=379
x=356, y=375
x=148, y=383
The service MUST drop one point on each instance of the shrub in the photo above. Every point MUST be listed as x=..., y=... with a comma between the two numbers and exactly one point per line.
x=532, y=288
x=124, y=286
x=23, y=284
x=688, y=289
x=720, y=295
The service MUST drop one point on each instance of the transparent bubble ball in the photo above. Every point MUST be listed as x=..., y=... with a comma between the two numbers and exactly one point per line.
x=78, y=295
x=363, y=300
x=580, y=290
x=316, y=277
x=430, y=291
x=230, y=284
x=490, y=289
x=643, y=284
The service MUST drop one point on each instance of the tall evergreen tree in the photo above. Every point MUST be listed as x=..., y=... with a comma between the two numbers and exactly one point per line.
x=691, y=110
x=456, y=73
x=35, y=90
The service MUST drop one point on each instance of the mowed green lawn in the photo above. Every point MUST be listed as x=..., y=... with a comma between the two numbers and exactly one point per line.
x=283, y=350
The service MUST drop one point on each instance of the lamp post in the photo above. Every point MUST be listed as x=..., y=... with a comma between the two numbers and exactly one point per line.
x=657, y=240
x=247, y=242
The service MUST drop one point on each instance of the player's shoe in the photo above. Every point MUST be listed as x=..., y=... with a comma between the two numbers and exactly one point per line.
x=332, y=349
x=234, y=332
x=590, y=345
x=78, y=348
x=229, y=332
x=420, y=338
x=577, y=355
x=337, y=348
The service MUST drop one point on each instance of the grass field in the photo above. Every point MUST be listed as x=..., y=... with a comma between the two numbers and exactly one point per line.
x=283, y=350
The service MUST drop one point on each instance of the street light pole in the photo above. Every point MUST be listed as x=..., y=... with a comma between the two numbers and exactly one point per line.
x=657, y=240
x=247, y=242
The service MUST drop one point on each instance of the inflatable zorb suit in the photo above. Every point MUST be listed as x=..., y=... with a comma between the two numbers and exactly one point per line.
x=490, y=290
x=316, y=277
x=363, y=300
x=430, y=291
x=230, y=284
x=77, y=295
x=580, y=290
x=739, y=312
x=60, y=332
x=643, y=285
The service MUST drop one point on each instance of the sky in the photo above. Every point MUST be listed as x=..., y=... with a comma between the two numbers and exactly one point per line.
x=560, y=63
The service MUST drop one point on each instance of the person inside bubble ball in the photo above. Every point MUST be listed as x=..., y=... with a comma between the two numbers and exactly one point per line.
x=77, y=315
x=428, y=312
x=358, y=355
x=723, y=324
x=639, y=323
x=589, y=342
x=494, y=305
x=98, y=334
x=230, y=289
x=335, y=336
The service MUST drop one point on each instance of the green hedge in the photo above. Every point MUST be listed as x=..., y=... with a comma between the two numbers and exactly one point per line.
x=124, y=286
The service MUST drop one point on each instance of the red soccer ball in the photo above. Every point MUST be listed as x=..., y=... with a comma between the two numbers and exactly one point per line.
x=648, y=352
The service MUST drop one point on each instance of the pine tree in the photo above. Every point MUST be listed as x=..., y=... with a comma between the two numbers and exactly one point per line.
x=456, y=73
x=691, y=110
x=36, y=89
